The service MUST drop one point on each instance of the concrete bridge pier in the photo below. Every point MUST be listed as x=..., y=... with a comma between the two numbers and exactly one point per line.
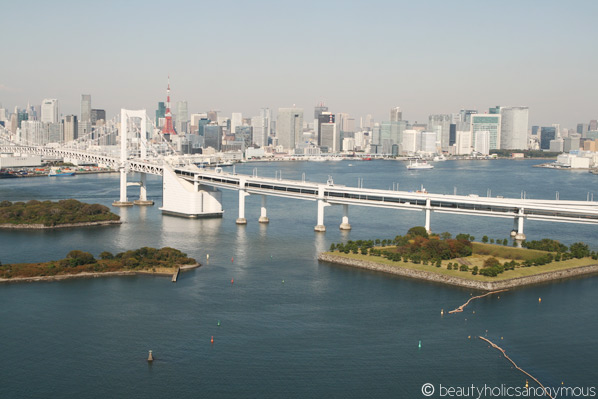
x=321, y=205
x=428, y=210
x=123, y=201
x=519, y=220
x=242, y=194
x=143, y=201
x=263, y=215
x=345, y=222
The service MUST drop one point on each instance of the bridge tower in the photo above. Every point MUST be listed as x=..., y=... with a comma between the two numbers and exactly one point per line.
x=125, y=138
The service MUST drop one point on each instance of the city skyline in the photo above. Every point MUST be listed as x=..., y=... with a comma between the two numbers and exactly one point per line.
x=437, y=58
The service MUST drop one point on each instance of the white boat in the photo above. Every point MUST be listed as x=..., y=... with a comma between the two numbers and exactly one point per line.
x=439, y=158
x=419, y=165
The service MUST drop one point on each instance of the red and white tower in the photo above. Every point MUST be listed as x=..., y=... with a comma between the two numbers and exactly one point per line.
x=168, y=128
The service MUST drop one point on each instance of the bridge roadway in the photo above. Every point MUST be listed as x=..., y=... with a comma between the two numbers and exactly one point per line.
x=584, y=212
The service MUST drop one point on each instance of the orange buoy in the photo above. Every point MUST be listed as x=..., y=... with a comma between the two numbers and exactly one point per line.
x=232, y=280
x=212, y=340
x=232, y=259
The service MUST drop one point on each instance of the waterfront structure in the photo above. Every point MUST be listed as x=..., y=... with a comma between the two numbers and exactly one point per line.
x=396, y=114
x=168, y=127
x=70, y=128
x=513, y=128
x=289, y=127
x=547, y=133
x=486, y=123
x=50, y=110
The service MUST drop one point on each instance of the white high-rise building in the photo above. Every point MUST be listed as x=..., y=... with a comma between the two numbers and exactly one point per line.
x=396, y=114
x=330, y=137
x=261, y=127
x=428, y=142
x=486, y=123
x=289, y=127
x=410, y=141
x=236, y=119
x=463, y=142
x=513, y=128
x=181, y=117
x=70, y=128
x=50, y=110
x=482, y=142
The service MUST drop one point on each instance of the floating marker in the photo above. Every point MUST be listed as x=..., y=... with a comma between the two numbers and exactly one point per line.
x=539, y=300
x=474, y=312
x=232, y=280
x=500, y=337
x=526, y=384
x=218, y=323
x=283, y=281
x=208, y=256
x=420, y=344
x=441, y=312
x=469, y=337
x=150, y=358
x=212, y=340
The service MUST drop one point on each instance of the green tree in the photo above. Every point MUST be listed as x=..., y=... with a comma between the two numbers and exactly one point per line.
x=418, y=231
x=106, y=255
x=579, y=250
x=485, y=239
x=446, y=235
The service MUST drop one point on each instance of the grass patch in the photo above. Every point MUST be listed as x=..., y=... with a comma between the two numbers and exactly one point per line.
x=507, y=253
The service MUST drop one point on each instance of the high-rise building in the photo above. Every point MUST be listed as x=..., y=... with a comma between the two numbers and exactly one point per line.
x=441, y=124
x=213, y=137
x=513, y=128
x=427, y=142
x=582, y=129
x=85, y=108
x=482, y=142
x=593, y=125
x=70, y=128
x=465, y=119
x=486, y=123
x=160, y=113
x=289, y=127
x=213, y=116
x=181, y=117
x=396, y=114
x=391, y=133
x=50, y=110
x=330, y=137
x=463, y=143
x=318, y=111
x=236, y=119
x=324, y=117
x=410, y=141
x=547, y=133
x=261, y=127
x=97, y=115
x=572, y=143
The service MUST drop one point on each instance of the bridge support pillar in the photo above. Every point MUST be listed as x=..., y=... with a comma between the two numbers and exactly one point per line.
x=345, y=222
x=242, y=194
x=520, y=217
x=263, y=215
x=428, y=212
x=321, y=205
x=143, y=193
x=123, y=189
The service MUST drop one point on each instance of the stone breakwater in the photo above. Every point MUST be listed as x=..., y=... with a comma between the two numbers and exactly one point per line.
x=94, y=275
x=458, y=281
x=59, y=226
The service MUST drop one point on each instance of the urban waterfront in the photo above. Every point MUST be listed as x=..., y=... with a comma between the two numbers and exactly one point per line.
x=290, y=326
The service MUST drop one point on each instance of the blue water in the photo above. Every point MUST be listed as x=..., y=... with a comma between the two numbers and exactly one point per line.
x=327, y=331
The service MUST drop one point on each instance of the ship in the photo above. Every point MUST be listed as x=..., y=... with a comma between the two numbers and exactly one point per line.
x=55, y=172
x=419, y=165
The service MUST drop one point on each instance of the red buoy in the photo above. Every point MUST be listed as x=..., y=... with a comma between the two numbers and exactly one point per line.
x=212, y=340
x=232, y=280
x=232, y=259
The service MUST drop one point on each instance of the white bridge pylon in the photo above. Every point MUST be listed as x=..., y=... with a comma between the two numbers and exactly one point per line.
x=125, y=137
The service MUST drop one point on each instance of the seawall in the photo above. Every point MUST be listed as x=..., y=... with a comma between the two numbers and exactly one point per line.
x=60, y=226
x=457, y=281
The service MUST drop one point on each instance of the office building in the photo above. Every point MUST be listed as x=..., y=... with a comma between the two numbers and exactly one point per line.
x=213, y=137
x=97, y=115
x=410, y=141
x=330, y=137
x=289, y=127
x=318, y=110
x=50, y=110
x=441, y=124
x=181, y=117
x=396, y=114
x=71, y=127
x=513, y=128
x=427, y=142
x=546, y=135
x=463, y=143
x=572, y=143
x=160, y=114
x=486, y=123
x=482, y=142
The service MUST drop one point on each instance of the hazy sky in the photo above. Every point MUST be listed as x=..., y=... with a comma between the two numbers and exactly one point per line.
x=358, y=57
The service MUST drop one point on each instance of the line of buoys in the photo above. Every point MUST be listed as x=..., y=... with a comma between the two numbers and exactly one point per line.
x=460, y=308
x=517, y=367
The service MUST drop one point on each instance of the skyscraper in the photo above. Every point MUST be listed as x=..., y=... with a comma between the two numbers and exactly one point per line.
x=546, y=135
x=513, y=128
x=261, y=127
x=84, y=125
x=289, y=127
x=70, y=128
x=486, y=123
x=97, y=115
x=235, y=120
x=50, y=110
x=160, y=113
x=330, y=136
x=396, y=114
x=182, y=117
x=441, y=124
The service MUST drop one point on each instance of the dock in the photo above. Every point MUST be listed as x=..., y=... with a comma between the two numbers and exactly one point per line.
x=175, y=276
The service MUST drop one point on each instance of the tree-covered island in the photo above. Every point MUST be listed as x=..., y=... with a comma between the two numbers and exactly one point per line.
x=144, y=260
x=48, y=214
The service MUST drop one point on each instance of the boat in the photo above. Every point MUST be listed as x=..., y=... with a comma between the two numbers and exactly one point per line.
x=6, y=174
x=419, y=165
x=55, y=172
x=439, y=158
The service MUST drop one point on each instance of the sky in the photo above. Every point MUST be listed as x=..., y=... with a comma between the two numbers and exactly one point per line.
x=358, y=57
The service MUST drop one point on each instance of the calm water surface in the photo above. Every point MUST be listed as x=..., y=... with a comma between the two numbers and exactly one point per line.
x=327, y=331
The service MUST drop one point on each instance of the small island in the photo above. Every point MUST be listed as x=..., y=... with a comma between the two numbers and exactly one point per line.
x=490, y=265
x=50, y=215
x=165, y=261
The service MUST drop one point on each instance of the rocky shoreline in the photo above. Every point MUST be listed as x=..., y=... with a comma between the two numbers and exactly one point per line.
x=458, y=281
x=94, y=275
x=60, y=226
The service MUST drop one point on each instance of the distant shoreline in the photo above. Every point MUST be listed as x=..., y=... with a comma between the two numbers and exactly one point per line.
x=40, y=226
x=540, y=277
x=96, y=274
